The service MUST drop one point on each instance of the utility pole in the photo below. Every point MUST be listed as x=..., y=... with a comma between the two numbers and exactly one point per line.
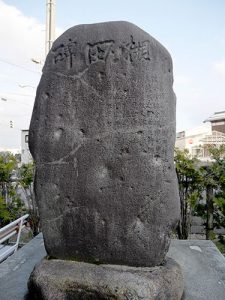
x=50, y=25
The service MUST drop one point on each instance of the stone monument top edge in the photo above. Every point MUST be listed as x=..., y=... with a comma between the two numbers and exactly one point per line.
x=109, y=27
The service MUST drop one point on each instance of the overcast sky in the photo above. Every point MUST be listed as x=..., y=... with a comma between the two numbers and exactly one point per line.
x=193, y=32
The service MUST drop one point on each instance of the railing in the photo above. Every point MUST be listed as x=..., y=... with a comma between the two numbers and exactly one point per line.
x=7, y=232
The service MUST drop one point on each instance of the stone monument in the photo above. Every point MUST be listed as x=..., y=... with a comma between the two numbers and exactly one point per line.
x=102, y=136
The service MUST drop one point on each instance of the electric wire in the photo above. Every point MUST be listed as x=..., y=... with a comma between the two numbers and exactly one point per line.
x=18, y=66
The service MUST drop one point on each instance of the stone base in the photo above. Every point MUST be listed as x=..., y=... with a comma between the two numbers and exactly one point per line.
x=67, y=280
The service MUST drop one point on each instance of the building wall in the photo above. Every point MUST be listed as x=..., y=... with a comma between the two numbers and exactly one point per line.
x=25, y=152
x=192, y=139
x=219, y=126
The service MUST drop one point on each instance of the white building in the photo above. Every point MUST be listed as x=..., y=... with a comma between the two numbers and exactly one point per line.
x=25, y=152
x=198, y=139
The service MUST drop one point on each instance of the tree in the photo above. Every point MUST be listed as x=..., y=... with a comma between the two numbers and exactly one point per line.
x=193, y=180
x=190, y=189
x=26, y=178
x=5, y=215
x=213, y=174
x=206, y=210
x=217, y=169
x=11, y=206
x=8, y=165
x=16, y=191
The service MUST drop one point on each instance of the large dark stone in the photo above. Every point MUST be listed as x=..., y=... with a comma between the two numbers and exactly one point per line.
x=69, y=280
x=102, y=136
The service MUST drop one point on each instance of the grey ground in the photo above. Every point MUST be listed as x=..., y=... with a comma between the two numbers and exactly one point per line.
x=202, y=264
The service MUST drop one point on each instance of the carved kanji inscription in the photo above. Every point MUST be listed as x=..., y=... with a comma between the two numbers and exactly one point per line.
x=98, y=51
x=65, y=52
x=134, y=50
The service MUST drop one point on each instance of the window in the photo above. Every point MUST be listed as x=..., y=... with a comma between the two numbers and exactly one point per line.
x=180, y=135
x=26, y=138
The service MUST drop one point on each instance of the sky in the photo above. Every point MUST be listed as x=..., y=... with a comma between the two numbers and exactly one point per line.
x=192, y=31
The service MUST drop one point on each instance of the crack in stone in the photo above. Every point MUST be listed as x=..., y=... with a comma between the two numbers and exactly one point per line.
x=132, y=130
x=61, y=161
x=78, y=77
x=136, y=130
x=92, y=88
x=62, y=215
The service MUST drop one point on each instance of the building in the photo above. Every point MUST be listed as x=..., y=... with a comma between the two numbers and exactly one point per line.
x=217, y=121
x=25, y=152
x=197, y=140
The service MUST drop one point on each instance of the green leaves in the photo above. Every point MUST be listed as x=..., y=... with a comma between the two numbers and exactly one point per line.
x=189, y=176
x=26, y=175
x=220, y=202
x=217, y=153
x=8, y=164
x=190, y=188
x=193, y=199
x=11, y=210
x=194, y=179
x=5, y=215
x=11, y=205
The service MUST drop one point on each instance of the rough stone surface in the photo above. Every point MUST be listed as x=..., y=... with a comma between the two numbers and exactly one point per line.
x=102, y=136
x=59, y=280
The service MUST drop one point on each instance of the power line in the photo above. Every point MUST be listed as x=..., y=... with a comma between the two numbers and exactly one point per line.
x=18, y=102
x=8, y=79
x=18, y=94
x=20, y=115
x=18, y=66
x=26, y=86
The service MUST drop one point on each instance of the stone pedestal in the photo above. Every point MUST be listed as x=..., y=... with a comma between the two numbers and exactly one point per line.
x=64, y=280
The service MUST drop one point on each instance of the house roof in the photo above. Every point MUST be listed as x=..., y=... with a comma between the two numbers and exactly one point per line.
x=217, y=116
